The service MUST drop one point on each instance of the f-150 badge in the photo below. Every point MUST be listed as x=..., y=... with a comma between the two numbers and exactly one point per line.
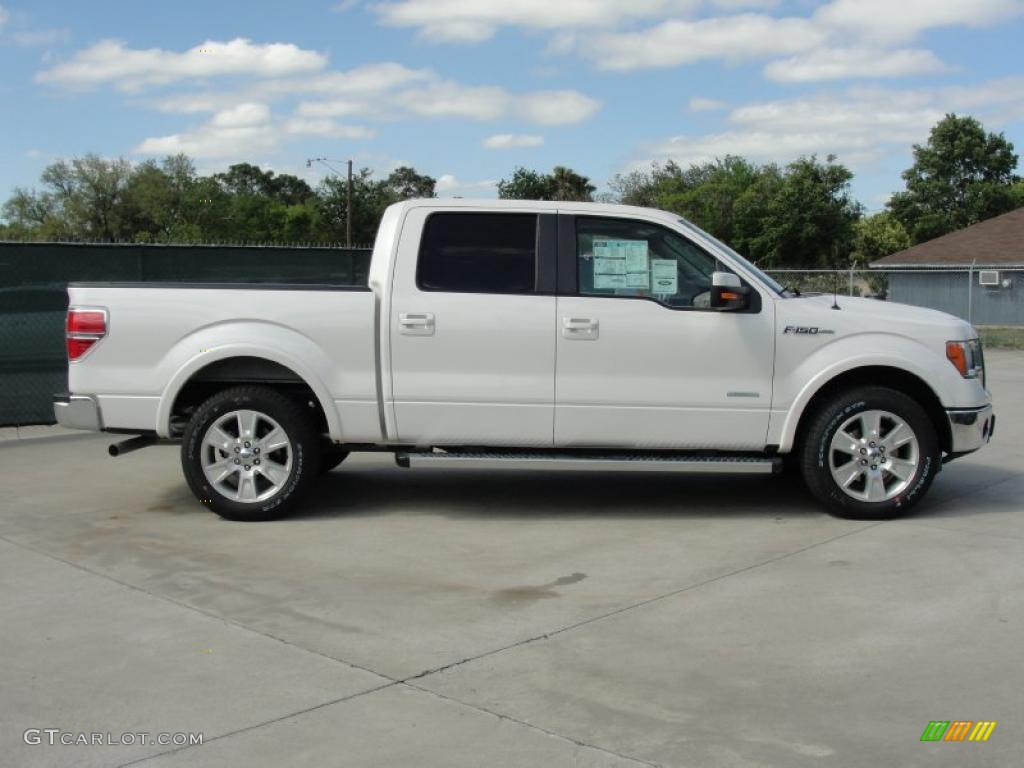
x=805, y=330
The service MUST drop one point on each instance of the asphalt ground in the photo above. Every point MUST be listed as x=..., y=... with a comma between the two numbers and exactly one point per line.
x=442, y=618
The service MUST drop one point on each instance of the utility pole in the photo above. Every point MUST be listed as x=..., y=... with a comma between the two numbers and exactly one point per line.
x=348, y=193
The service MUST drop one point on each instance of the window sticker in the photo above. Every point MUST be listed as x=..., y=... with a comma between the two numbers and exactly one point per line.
x=621, y=264
x=638, y=280
x=664, y=277
x=604, y=266
x=605, y=282
x=636, y=256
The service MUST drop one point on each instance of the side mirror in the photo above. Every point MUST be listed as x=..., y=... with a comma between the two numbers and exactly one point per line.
x=728, y=293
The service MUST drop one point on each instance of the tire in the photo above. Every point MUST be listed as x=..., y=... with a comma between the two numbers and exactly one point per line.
x=884, y=474
x=283, y=459
x=331, y=456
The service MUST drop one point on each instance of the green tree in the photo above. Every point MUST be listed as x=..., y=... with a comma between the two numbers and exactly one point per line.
x=33, y=216
x=370, y=197
x=405, y=183
x=961, y=176
x=86, y=198
x=878, y=236
x=566, y=184
x=561, y=184
x=809, y=220
x=525, y=184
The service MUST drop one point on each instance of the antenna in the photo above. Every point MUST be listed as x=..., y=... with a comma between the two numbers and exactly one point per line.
x=835, y=277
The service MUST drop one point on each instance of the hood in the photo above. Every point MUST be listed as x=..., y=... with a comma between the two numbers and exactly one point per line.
x=889, y=316
x=812, y=317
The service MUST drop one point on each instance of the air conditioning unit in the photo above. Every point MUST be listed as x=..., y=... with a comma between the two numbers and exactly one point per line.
x=988, y=277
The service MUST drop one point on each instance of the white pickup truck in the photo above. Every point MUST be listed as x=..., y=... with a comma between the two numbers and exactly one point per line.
x=529, y=334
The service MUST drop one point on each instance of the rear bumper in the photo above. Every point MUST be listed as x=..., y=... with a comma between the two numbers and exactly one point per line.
x=970, y=428
x=77, y=412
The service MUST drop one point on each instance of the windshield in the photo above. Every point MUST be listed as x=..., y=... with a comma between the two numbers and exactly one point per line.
x=771, y=283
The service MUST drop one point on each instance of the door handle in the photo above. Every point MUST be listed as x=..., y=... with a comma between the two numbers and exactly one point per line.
x=416, y=324
x=581, y=328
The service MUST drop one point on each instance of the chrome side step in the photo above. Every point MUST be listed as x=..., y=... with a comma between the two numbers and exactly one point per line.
x=625, y=462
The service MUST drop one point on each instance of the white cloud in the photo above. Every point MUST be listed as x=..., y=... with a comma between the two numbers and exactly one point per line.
x=242, y=115
x=451, y=99
x=843, y=39
x=555, y=107
x=364, y=79
x=110, y=62
x=471, y=21
x=333, y=108
x=889, y=21
x=4, y=16
x=860, y=125
x=242, y=131
x=853, y=63
x=437, y=98
x=449, y=185
x=704, y=104
x=675, y=42
x=512, y=141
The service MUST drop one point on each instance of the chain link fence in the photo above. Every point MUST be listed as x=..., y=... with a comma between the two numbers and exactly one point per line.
x=33, y=297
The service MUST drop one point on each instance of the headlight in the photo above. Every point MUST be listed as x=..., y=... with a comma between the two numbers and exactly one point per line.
x=967, y=357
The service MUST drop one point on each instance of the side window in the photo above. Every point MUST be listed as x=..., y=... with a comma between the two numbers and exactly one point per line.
x=478, y=253
x=620, y=257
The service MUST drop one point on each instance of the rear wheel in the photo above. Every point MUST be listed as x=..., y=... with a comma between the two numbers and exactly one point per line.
x=870, y=453
x=249, y=453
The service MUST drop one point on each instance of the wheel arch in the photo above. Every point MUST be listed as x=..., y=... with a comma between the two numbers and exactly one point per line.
x=893, y=377
x=203, y=377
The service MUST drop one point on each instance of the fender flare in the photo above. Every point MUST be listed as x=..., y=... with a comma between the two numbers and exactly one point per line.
x=228, y=350
x=905, y=363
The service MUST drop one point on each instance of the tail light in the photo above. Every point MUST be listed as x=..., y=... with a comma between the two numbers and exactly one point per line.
x=83, y=328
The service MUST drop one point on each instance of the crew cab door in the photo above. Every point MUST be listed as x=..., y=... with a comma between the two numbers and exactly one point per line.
x=472, y=312
x=643, y=361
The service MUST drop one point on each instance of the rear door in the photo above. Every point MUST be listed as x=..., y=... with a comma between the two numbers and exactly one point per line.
x=472, y=312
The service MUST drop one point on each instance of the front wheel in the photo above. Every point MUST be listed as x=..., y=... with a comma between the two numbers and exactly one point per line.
x=249, y=453
x=870, y=453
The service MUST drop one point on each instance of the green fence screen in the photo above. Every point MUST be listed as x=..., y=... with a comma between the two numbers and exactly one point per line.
x=33, y=298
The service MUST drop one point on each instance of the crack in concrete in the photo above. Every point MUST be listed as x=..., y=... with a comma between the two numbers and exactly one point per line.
x=187, y=606
x=253, y=727
x=532, y=726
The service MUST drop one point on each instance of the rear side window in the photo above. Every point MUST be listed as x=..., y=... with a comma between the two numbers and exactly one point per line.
x=478, y=253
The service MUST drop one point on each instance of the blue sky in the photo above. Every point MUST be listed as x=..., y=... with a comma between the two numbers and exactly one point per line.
x=466, y=90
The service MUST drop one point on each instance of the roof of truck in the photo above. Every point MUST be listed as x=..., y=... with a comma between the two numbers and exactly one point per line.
x=608, y=209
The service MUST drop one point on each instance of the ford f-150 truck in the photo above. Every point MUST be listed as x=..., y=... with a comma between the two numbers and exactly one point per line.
x=529, y=334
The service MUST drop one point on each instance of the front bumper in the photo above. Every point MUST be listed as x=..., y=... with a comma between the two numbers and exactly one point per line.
x=77, y=412
x=970, y=428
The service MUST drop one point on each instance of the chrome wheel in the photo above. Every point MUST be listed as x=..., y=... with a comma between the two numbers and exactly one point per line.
x=874, y=456
x=246, y=456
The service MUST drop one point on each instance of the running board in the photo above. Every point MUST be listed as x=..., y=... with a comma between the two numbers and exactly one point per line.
x=625, y=462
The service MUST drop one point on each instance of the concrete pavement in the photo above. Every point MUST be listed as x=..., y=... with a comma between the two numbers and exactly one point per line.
x=457, y=618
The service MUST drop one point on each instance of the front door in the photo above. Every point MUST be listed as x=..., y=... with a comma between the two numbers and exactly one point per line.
x=472, y=353
x=643, y=362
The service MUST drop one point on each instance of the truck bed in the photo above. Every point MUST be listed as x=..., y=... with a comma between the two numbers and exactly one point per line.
x=160, y=335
